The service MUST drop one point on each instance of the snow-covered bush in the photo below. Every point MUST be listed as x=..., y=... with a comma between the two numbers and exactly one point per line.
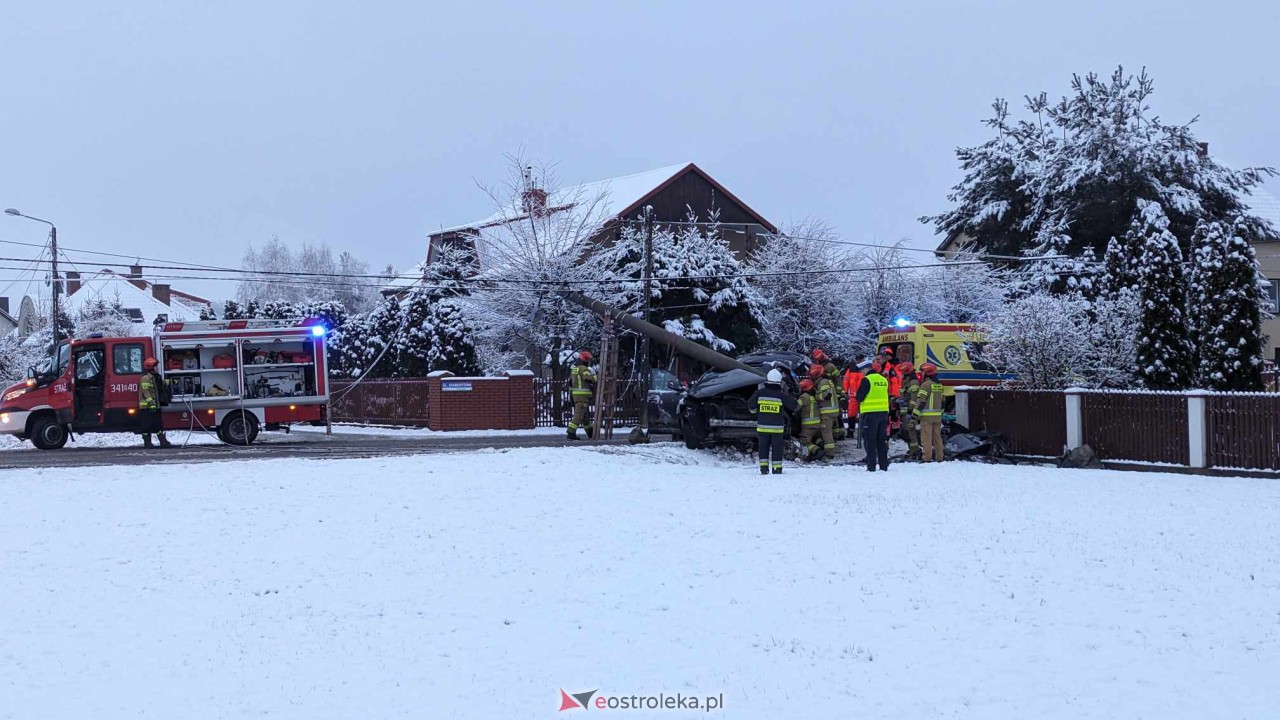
x=802, y=301
x=1044, y=339
x=530, y=252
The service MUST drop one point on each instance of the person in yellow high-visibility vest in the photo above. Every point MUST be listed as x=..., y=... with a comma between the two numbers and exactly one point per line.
x=873, y=406
x=928, y=408
x=582, y=388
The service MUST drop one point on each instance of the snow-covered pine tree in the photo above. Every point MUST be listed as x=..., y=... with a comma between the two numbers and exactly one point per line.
x=1071, y=175
x=279, y=310
x=363, y=340
x=1120, y=265
x=1165, y=360
x=207, y=313
x=698, y=289
x=451, y=338
x=333, y=314
x=100, y=316
x=1224, y=308
x=231, y=310
x=411, y=348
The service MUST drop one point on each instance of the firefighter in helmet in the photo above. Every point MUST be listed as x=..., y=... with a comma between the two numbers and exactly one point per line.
x=773, y=409
x=910, y=423
x=832, y=373
x=582, y=388
x=151, y=395
x=810, y=420
x=928, y=408
x=828, y=408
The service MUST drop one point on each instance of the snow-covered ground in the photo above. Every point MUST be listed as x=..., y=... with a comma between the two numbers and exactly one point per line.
x=297, y=433
x=480, y=585
x=408, y=432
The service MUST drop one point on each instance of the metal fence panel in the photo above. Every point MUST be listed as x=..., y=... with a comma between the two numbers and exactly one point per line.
x=1032, y=422
x=554, y=408
x=381, y=402
x=1244, y=431
x=1147, y=427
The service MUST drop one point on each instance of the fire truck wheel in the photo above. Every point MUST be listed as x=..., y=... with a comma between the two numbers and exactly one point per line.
x=238, y=428
x=47, y=434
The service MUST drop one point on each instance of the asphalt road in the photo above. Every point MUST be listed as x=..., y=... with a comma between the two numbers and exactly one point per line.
x=273, y=446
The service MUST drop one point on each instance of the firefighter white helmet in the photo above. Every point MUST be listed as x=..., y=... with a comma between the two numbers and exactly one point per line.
x=774, y=377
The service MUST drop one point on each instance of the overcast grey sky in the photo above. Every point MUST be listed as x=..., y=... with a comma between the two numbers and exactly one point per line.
x=188, y=130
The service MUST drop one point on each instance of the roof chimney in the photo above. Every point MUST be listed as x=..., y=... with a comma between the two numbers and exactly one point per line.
x=4, y=305
x=533, y=199
x=160, y=291
x=135, y=271
x=73, y=282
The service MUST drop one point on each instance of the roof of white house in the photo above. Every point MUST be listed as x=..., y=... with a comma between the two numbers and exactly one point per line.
x=116, y=290
x=616, y=196
x=1264, y=205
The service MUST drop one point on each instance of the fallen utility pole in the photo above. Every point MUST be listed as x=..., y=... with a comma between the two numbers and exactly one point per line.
x=702, y=353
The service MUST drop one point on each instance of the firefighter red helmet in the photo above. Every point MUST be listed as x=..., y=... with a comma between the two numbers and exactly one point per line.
x=149, y=364
x=929, y=369
x=906, y=368
x=806, y=385
x=887, y=351
x=584, y=356
x=818, y=356
x=816, y=371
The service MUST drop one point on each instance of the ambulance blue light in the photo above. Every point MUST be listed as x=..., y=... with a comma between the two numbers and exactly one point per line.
x=317, y=330
x=901, y=322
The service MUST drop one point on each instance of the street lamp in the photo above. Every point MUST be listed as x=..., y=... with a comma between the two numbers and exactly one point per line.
x=53, y=248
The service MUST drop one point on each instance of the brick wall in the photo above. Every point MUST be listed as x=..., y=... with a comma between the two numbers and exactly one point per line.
x=501, y=403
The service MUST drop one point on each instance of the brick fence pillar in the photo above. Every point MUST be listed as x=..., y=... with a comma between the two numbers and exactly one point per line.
x=435, y=403
x=523, y=412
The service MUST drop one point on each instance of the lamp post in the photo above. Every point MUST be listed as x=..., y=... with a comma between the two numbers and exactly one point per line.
x=53, y=249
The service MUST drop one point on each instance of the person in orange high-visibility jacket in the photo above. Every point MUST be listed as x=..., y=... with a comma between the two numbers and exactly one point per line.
x=852, y=380
x=891, y=374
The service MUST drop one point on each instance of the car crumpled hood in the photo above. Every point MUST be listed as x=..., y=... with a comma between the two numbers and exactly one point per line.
x=713, y=384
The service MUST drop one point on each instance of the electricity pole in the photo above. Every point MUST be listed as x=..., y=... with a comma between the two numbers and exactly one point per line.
x=644, y=339
x=53, y=248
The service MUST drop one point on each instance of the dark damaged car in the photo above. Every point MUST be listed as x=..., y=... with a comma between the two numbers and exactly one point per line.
x=714, y=411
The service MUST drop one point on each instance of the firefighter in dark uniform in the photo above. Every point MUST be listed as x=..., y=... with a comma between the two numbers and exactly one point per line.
x=582, y=388
x=151, y=395
x=873, y=406
x=773, y=409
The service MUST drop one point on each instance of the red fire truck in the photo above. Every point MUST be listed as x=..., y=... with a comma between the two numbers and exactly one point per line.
x=232, y=377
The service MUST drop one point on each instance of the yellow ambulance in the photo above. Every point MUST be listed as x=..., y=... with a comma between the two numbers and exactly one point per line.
x=955, y=348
